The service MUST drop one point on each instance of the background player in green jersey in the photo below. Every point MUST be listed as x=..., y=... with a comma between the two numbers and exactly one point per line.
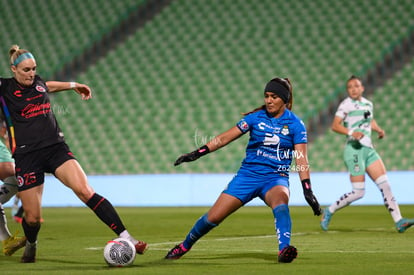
x=8, y=189
x=354, y=118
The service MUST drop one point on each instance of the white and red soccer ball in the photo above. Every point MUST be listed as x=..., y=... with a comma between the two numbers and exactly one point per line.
x=119, y=252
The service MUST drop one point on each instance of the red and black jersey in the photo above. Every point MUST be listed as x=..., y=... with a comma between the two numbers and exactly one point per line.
x=29, y=117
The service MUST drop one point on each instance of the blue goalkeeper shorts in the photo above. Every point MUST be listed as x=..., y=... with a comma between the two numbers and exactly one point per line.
x=247, y=185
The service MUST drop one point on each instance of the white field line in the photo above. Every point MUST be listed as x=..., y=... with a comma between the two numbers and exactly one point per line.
x=152, y=245
x=160, y=246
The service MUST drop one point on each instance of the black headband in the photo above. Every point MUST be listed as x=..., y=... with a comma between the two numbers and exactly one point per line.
x=279, y=89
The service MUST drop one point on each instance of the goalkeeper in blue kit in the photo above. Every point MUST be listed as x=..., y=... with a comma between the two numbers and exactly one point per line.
x=277, y=136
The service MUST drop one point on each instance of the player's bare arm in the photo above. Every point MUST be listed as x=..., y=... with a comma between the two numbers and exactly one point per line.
x=338, y=127
x=375, y=127
x=224, y=138
x=82, y=89
x=301, y=160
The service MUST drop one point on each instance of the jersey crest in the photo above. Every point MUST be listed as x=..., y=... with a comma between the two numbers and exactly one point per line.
x=285, y=130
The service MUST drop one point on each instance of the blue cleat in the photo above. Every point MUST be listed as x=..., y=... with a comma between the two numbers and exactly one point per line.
x=404, y=224
x=326, y=218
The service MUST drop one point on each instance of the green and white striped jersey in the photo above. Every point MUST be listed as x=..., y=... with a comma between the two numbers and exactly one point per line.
x=357, y=116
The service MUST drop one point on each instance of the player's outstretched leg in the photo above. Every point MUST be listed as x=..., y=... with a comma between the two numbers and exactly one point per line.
x=107, y=213
x=200, y=228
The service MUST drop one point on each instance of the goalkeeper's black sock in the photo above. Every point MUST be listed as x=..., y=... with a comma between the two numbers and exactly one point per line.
x=283, y=225
x=106, y=212
x=30, y=231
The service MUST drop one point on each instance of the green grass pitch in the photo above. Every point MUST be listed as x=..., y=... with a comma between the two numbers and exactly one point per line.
x=362, y=240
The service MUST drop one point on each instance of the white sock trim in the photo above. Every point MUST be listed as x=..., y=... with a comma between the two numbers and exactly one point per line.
x=381, y=179
x=359, y=185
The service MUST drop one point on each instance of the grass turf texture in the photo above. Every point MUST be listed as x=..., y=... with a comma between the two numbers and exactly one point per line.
x=361, y=240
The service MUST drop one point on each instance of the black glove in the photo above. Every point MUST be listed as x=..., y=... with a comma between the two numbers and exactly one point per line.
x=310, y=197
x=193, y=155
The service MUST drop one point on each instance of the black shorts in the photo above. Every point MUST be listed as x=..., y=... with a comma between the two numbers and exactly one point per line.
x=32, y=166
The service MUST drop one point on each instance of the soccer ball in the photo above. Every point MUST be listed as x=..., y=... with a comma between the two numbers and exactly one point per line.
x=119, y=252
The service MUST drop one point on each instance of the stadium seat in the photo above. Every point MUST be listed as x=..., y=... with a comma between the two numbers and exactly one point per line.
x=197, y=66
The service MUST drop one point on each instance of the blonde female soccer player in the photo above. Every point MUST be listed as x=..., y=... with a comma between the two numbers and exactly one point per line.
x=39, y=147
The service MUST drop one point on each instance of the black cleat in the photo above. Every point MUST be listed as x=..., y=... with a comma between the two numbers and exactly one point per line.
x=287, y=254
x=177, y=252
x=29, y=254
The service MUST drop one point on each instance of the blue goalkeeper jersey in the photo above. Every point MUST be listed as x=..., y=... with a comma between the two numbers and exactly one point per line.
x=271, y=144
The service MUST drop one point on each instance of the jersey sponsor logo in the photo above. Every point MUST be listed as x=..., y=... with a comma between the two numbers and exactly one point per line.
x=34, y=97
x=263, y=126
x=33, y=110
x=271, y=139
x=18, y=93
x=278, y=155
x=40, y=89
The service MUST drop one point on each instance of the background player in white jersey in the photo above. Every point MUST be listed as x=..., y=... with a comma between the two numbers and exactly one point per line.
x=354, y=118
x=277, y=136
x=8, y=189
